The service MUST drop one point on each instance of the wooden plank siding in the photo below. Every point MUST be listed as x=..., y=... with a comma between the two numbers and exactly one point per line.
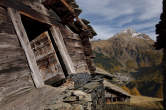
x=5, y=26
x=20, y=66
x=23, y=38
x=46, y=58
x=75, y=49
x=28, y=11
x=15, y=74
x=58, y=38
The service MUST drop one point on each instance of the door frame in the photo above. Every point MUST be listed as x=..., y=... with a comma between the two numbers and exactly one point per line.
x=25, y=43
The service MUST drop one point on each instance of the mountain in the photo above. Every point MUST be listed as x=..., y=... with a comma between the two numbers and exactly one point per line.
x=131, y=53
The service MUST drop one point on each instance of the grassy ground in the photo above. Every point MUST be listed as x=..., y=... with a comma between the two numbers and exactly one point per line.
x=146, y=102
x=137, y=103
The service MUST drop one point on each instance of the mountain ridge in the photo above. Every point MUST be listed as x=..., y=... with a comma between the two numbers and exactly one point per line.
x=132, y=53
x=134, y=34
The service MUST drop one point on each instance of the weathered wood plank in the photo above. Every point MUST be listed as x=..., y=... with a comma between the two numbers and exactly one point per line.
x=63, y=50
x=70, y=38
x=75, y=50
x=15, y=65
x=5, y=22
x=73, y=43
x=2, y=10
x=80, y=66
x=28, y=11
x=7, y=54
x=16, y=75
x=6, y=38
x=36, y=5
x=67, y=33
x=16, y=19
x=15, y=78
x=7, y=58
x=66, y=37
x=12, y=89
x=75, y=58
x=46, y=58
x=37, y=99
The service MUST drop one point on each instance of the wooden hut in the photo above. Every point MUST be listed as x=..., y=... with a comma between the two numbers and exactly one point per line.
x=41, y=42
x=114, y=93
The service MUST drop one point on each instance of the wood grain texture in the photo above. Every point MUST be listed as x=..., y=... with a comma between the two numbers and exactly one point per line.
x=23, y=38
x=46, y=58
x=15, y=75
x=37, y=99
x=63, y=50
x=75, y=49
x=5, y=22
x=28, y=11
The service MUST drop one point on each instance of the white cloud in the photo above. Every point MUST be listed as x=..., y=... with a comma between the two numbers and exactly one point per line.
x=110, y=10
x=143, y=25
x=125, y=21
x=114, y=8
x=103, y=31
x=107, y=8
x=152, y=8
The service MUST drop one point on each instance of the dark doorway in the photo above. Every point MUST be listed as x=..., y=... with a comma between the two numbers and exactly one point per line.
x=42, y=44
x=33, y=27
x=58, y=54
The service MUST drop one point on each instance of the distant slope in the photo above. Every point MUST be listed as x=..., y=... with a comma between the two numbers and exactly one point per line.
x=131, y=53
x=147, y=102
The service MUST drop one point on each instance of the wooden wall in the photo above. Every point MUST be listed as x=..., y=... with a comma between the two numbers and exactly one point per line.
x=39, y=7
x=75, y=49
x=46, y=58
x=15, y=74
x=15, y=77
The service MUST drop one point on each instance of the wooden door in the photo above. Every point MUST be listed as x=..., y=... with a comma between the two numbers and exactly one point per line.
x=46, y=58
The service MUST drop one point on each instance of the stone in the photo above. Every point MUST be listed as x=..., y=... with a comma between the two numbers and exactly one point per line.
x=79, y=93
x=60, y=106
x=80, y=79
x=77, y=107
x=91, y=85
x=82, y=96
x=70, y=99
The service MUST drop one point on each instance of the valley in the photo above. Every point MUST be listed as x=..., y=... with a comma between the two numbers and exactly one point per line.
x=132, y=58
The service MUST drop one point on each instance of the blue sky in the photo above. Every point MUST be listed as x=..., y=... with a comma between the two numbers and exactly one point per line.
x=109, y=17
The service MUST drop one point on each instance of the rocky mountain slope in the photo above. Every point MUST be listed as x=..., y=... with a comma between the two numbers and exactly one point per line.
x=131, y=54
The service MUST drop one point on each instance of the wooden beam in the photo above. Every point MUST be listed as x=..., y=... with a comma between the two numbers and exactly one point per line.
x=23, y=38
x=63, y=50
x=68, y=7
x=72, y=11
x=82, y=23
x=28, y=11
x=41, y=19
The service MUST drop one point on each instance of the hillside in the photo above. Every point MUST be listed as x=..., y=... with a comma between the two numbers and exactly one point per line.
x=132, y=54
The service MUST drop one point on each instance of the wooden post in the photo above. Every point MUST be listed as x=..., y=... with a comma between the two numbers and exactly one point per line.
x=23, y=38
x=63, y=50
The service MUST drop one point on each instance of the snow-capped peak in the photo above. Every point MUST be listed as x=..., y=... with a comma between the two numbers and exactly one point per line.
x=135, y=34
x=131, y=32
